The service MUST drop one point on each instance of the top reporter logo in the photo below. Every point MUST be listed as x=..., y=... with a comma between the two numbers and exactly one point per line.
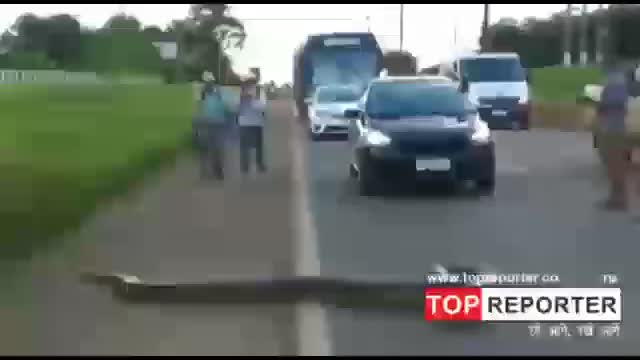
x=523, y=304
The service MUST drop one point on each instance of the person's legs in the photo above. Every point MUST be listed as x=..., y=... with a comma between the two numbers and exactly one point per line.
x=259, y=148
x=218, y=152
x=245, y=145
x=205, y=150
x=616, y=162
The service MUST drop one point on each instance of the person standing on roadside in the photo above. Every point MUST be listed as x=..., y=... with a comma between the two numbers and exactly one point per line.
x=251, y=120
x=612, y=142
x=211, y=125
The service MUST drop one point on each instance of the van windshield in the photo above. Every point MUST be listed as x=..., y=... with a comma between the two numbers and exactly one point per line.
x=492, y=70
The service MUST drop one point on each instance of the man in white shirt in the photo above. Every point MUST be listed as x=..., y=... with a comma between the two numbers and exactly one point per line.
x=251, y=119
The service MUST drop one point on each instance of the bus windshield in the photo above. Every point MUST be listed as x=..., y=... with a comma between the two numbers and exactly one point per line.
x=492, y=69
x=346, y=66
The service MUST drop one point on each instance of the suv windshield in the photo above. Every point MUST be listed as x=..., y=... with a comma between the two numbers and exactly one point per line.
x=392, y=100
x=329, y=95
x=492, y=69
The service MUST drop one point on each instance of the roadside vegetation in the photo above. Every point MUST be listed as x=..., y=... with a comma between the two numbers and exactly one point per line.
x=66, y=148
x=555, y=90
x=540, y=44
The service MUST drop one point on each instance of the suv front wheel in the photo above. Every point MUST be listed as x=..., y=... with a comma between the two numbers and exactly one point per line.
x=368, y=183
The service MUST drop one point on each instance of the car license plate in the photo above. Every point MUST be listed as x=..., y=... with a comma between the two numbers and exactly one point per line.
x=635, y=156
x=498, y=113
x=433, y=164
x=339, y=121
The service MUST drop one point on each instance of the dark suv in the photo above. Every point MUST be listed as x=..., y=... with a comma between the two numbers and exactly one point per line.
x=416, y=127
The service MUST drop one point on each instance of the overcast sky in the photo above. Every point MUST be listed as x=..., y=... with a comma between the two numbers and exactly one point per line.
x=276, y=29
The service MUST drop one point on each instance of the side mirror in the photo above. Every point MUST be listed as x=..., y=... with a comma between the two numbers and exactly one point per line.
x=352, y=113
x=528, y=77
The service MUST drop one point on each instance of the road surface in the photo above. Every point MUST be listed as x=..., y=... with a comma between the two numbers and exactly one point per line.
x=541, y=220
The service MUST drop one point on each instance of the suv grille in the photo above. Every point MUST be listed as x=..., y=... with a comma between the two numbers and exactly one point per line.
x=446, y=145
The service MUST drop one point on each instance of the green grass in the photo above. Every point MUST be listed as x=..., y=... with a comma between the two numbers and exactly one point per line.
x=558, y=84
x=65, y=148
x=555, y=90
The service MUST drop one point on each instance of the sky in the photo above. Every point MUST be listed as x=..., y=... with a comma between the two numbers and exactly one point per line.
x=275, y=30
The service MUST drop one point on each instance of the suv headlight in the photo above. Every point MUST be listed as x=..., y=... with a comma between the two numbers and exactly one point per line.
x=480, y=130
x=377, y=138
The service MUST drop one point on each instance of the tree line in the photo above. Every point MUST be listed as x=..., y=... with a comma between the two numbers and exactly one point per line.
x=540, y=42
x=124, y=46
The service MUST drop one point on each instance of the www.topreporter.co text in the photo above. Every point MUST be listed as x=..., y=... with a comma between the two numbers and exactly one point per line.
x=480, y=279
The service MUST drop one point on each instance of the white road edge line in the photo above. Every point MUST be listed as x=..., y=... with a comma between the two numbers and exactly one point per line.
x=440, y=269
x=311, y=318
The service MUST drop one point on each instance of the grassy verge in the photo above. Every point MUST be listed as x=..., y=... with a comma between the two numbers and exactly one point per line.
x=63, y=149
x=554, y=97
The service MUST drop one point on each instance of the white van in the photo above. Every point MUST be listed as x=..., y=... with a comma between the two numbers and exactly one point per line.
x=496, y=83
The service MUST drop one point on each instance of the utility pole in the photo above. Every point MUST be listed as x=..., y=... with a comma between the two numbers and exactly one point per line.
x=368, y=23
x=455, y=37
x=485, y=21
x=401, y=25
x=601, y=32
x=567, y=37
x=222, y=47
x=584, y=57
x=611, y=38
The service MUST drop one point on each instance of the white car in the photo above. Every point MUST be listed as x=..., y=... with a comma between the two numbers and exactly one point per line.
x=326, y=109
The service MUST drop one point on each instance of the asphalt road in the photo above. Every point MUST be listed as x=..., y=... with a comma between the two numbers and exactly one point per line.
x=542, y=219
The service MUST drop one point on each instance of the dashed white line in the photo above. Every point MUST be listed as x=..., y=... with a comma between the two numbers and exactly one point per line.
x=311, y=318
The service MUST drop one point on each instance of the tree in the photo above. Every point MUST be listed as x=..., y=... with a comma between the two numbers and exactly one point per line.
x=539, y=42
x=31, y=31
x=63, y=42
x=154, y=33
x=400, y=63
x=7, y=40
x=58, y=37
x=204, y=35
x=122, y=22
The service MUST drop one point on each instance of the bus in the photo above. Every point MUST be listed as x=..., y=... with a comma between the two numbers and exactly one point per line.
x=334, y=59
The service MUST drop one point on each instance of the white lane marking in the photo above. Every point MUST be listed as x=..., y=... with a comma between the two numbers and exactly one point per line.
x=311, y=318
x=440, y=269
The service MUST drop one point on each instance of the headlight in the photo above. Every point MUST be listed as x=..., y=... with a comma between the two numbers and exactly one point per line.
x=377, y=138
x=481, y=133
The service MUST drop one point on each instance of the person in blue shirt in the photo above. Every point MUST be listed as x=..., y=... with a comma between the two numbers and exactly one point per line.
x=612, y=114
x=211, y=125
